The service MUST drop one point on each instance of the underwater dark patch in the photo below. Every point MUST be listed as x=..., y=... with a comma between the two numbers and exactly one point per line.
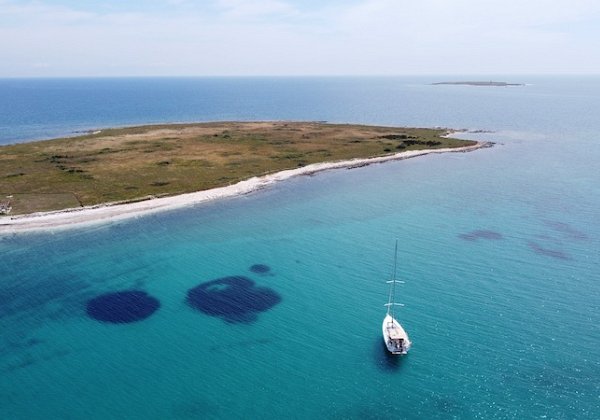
x=28, y=294
x=260, y=268
x=26, y=361
x=122, y=307
x=567, y=230
x=8, y=346
x=235, y=299
x=28, y=300
x=480, y=234
x=554, y=253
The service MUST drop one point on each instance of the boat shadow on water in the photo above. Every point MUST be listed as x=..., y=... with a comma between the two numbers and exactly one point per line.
x=386, y=361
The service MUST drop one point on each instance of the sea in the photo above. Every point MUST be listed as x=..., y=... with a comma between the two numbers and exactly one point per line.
x=269, y=305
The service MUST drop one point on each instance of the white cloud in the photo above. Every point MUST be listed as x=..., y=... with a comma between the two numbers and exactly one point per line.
x=249, y=9
x=275, y=37
x=12, y=12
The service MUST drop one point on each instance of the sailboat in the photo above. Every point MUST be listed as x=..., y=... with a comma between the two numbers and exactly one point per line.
x=394, y=336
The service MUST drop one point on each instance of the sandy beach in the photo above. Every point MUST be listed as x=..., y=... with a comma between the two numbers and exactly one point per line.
x=110, y=212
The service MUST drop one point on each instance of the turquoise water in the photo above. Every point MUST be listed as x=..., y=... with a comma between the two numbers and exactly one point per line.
x=499, y=249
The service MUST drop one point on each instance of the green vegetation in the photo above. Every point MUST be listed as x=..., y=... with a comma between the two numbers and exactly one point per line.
x=479, y=83
x=137, y=162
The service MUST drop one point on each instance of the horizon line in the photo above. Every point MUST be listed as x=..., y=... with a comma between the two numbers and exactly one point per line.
x=207, y=76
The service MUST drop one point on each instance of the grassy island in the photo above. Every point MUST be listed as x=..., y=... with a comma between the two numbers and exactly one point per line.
x=479, y=83
x=136, y=163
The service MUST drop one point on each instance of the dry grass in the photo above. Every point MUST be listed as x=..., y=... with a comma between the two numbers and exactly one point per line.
x=130, y=163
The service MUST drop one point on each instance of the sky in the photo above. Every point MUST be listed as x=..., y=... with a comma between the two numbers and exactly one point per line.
x=96, y=38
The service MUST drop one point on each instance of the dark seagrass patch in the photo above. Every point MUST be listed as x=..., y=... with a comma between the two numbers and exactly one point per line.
x=235, y=299
x=122, y=307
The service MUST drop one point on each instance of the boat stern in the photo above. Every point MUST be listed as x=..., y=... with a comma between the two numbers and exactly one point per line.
x=394, y=336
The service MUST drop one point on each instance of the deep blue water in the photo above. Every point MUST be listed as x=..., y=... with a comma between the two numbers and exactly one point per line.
x=47, y=108
x=271, y=304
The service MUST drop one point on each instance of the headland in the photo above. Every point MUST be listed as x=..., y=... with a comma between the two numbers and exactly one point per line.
x=120, y=173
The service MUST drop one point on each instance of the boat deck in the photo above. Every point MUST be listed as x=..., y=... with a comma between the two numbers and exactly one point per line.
x=395, y=333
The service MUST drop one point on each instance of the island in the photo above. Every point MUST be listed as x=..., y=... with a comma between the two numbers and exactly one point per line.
x=134, y=170
x=481, y=83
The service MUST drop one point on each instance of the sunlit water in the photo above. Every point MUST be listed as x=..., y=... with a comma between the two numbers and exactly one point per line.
x=499, y=249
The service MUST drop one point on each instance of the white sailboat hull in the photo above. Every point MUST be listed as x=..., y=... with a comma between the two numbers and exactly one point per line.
x=395, y=338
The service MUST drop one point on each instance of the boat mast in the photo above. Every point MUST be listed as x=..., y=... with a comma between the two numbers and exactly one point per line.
x=392, y=297
x=393, y=281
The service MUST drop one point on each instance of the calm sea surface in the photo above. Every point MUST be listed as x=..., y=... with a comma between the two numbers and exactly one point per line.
x=270, y=305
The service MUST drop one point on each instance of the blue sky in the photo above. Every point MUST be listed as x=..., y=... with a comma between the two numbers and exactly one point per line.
x=294, y=37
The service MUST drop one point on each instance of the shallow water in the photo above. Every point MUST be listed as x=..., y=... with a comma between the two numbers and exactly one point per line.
x=498, y=247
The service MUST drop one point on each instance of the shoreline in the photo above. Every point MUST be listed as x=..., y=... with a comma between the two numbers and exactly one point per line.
x=80, y=217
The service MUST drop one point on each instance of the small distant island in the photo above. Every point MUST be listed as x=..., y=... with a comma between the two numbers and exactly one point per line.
x=136, y=165
x=479, y=83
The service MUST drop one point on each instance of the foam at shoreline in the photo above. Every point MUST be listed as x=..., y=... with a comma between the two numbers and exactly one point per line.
x=105, y=213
